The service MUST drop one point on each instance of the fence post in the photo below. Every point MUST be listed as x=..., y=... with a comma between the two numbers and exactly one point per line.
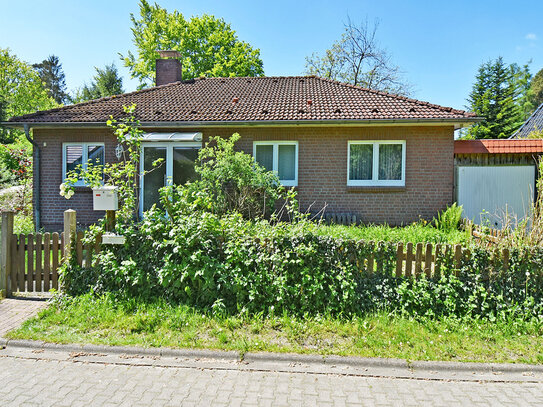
x=69, y=232
x=5, y=267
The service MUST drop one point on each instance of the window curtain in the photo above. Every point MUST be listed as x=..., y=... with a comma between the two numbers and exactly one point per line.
x=390, y=162
x=264, y=156
x=287, y=162
x=361, y=162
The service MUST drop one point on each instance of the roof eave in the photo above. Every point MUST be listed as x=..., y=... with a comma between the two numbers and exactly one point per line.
x=456, y=122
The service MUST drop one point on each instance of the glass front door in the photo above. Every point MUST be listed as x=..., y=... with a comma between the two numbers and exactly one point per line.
x=177, y=168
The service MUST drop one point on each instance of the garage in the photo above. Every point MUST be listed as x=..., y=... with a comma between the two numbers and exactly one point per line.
x=495, y=180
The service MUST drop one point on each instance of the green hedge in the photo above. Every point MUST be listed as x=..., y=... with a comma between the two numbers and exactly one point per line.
x=229, y=264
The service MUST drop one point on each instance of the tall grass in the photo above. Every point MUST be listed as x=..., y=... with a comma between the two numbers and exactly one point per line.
x=415, y=233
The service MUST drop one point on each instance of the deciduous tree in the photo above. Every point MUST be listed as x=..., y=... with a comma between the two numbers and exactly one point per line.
x=537, y=88
x=357, y=58
x=21, y=90
x=208, y=45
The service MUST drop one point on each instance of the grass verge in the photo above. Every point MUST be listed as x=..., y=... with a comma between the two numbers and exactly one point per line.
x=105, y=321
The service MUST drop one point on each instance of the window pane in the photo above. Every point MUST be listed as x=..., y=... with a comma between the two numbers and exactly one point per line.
x=287, y=162
x=74, y=157
x=264, y=156
x=184, y=160
x=95, y=154
x=390, y=161
x=155, y=179
x=361, y=162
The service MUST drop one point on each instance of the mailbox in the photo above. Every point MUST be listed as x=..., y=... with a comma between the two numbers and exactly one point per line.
x=105, y=198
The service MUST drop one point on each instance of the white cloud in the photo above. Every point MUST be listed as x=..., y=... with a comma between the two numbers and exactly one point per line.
x=531, y=37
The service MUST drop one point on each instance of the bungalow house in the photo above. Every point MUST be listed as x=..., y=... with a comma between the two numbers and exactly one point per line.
x=377, y=156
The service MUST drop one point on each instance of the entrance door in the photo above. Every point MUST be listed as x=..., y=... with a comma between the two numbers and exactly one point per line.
x=177, y=168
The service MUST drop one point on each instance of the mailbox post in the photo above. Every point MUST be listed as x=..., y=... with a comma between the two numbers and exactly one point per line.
x=106, y=198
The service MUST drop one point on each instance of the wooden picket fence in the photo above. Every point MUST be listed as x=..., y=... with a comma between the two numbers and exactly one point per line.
x=30, y=262
x=429, y=259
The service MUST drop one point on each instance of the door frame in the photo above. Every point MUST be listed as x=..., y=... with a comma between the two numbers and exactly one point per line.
x=169, y=145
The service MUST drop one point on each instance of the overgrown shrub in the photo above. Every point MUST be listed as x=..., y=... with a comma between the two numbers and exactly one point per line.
x=235, y=181
x=212, y=245
x=209, y=261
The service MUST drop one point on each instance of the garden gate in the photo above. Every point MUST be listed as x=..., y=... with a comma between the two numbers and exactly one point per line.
x=30, y=262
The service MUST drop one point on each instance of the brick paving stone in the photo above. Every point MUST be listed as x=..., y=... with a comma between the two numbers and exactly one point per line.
x=14, y=311
x=74, y=383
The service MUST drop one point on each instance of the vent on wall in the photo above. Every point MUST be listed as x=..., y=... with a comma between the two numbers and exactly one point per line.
x=338, y=218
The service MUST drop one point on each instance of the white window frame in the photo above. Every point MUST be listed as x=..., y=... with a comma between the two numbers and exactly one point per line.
x=84, y=158
x=375, y=169
x=276, y=144
x=169, y=161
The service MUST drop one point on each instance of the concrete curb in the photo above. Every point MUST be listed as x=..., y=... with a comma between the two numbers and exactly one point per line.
x=124, y=350
x=257, y=357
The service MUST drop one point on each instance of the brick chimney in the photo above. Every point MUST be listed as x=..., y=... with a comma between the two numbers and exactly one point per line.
x=168, y=67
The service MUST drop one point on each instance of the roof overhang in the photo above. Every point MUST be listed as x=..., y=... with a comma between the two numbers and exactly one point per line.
x=456, y=123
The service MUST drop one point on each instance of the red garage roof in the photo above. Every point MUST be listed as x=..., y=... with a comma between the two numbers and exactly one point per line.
x=508, y=146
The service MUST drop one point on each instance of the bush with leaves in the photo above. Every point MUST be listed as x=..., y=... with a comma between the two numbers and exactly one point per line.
x=235, y=182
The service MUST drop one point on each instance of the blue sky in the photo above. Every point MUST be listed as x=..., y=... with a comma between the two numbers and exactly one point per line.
x=439, y=45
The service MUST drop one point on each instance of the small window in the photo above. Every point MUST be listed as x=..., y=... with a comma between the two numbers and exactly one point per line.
x=376, y=163
x=280, y=157
x=80, y=154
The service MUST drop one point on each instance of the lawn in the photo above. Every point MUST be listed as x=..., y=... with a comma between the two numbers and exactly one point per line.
x=415, y=233
x=106, y=321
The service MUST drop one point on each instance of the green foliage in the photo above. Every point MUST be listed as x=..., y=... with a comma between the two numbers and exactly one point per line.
x=226, y=263
x=536, y=87
x=208, y=45
x=52, y=75
x=106, y=82
x=110, y=320
x=449, y=219
x=16, y=176
x=233, y=181
x=23, y=223
x=124, y=174
x=21, y=91
x=416, y=232
x=210, y=246
x=501, y=95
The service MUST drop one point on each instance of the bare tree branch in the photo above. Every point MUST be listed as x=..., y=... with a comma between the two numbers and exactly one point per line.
x=357, y=58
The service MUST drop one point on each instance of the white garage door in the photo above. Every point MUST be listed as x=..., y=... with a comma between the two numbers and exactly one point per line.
x=491, y=193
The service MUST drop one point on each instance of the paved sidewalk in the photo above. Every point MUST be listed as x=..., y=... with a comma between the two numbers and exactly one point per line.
x=52, y=377
x=14, y=311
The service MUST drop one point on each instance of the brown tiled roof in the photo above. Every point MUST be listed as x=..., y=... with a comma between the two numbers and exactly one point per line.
x=260, y=99
x=507, y=146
